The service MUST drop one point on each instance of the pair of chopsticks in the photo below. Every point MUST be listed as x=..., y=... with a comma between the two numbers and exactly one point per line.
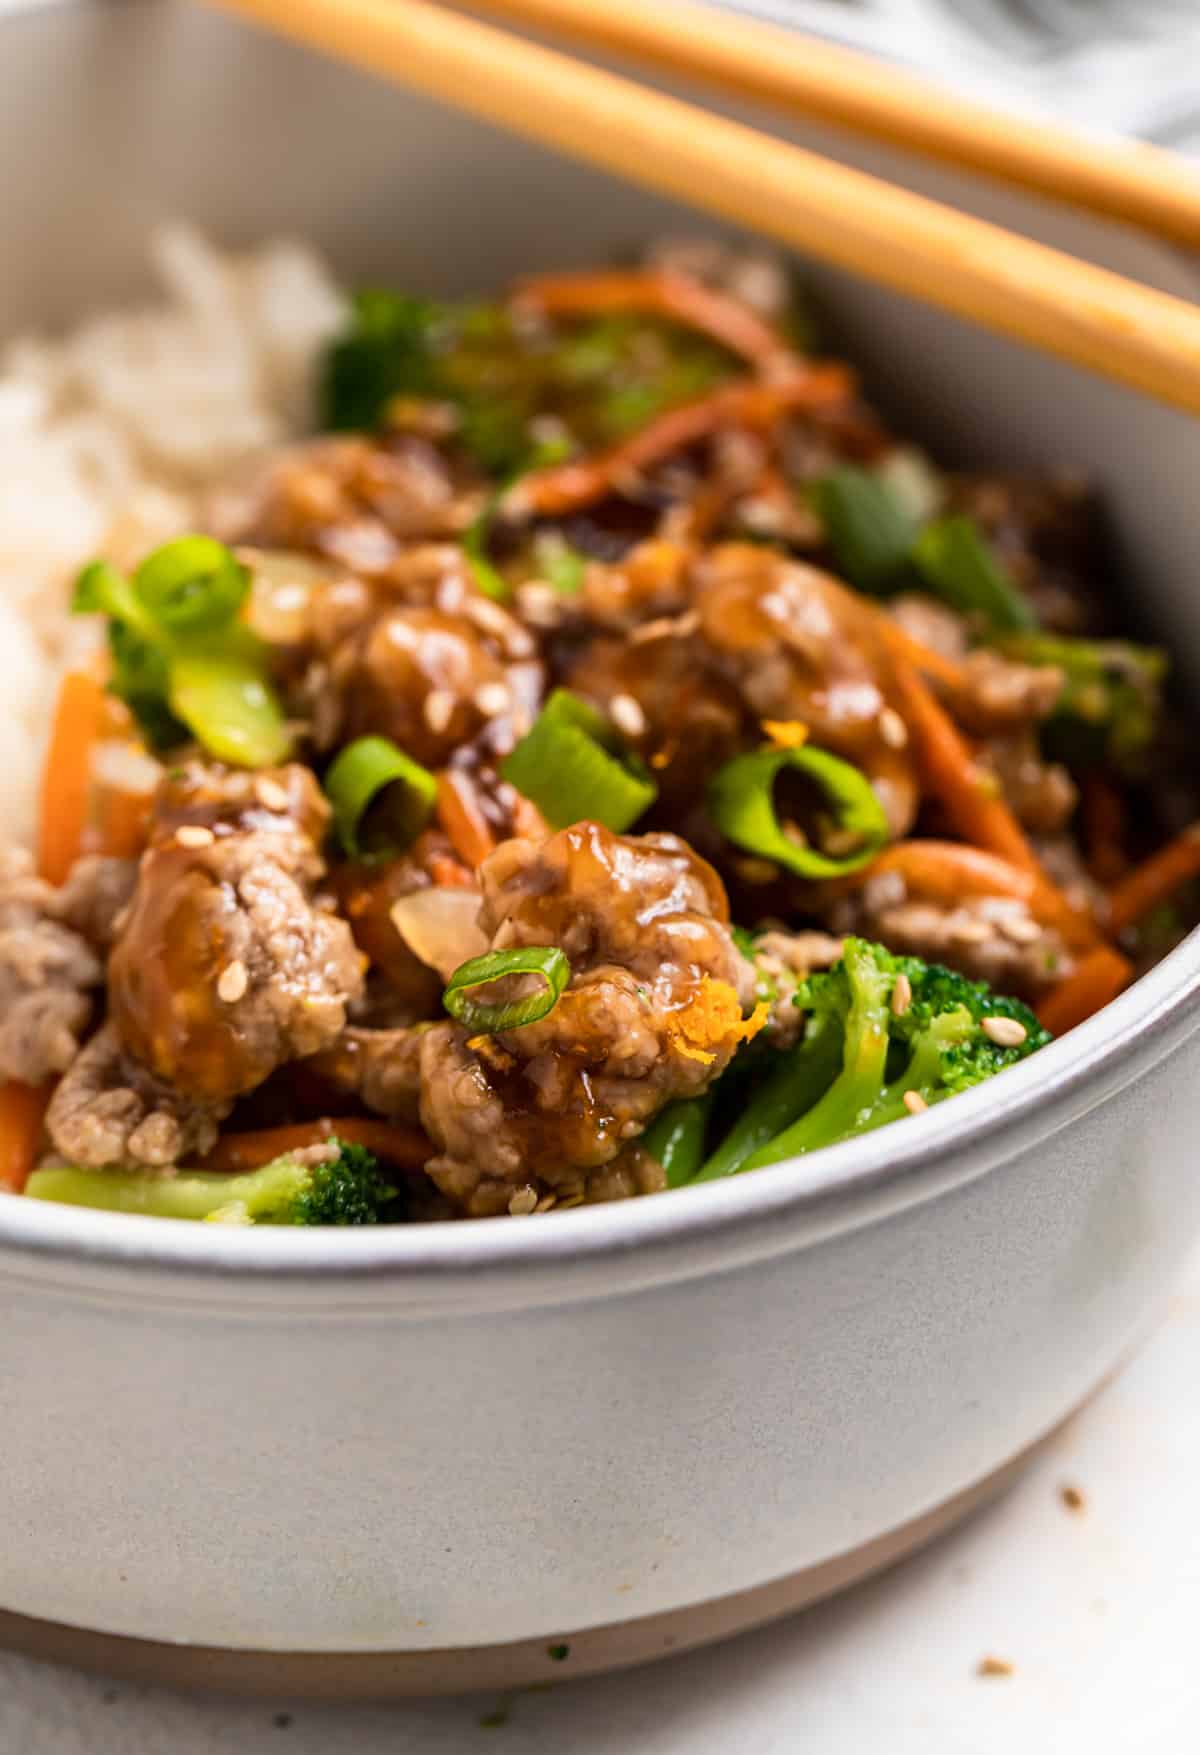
x=1043, y=297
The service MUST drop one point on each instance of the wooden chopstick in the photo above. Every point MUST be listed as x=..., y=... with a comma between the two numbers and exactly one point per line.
x=1096, y=319
x=1137, y=184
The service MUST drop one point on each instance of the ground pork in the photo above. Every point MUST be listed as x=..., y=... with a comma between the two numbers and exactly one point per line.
x=109, y=1110
x=49, y=972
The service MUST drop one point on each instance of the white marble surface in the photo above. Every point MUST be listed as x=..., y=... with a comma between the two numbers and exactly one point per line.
x=1096, y=1610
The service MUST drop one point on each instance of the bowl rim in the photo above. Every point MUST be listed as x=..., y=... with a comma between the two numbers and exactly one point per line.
x=633, y=1242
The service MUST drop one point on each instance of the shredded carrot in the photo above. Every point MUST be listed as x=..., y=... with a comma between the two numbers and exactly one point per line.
x=79, y=721
x=659, y=293
x=123, y=821
x=406, y=1147
x=1096, y=978
x=460, y=814
x=786, y=734
x=1155, y=880
x=570, y=487
x=22, y=1108
x=1104, y=829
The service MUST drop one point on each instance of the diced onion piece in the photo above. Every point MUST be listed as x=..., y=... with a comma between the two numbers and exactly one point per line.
x=441, y=927
x=742, y=804
x=462, y=1001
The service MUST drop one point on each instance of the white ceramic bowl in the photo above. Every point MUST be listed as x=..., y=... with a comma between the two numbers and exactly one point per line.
x=428, y=1457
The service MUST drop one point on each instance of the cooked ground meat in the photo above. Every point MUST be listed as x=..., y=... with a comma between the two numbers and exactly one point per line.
x=998, y=696
x=783, y=960
x=1042, y=793
x=95, y=896
x=653, y=1012
x=108, y=1109
x=989, y=938
x=380, y=1067
x=48, y=972
x=229, y=965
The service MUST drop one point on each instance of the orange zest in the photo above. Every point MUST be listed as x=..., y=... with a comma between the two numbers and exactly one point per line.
x=747, y=402
x=712, y=1019
x=1155, y=880
x=79, y=722
x=786, y=734
x=406, y=1147
x=22, y=1110
x=659, y=292
x=461, y=816
x=1096, y=979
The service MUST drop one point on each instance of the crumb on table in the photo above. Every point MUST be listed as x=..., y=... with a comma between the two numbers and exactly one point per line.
x=994, y=1666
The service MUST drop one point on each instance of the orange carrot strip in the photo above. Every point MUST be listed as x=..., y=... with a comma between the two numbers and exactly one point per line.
x=79, y=721
x=406, y=1147
x=1155, y=880
x=460, y=815
x=660, y=293
x=22, y=1108
x=924, y=658
x=1104, y=829
x=569, y=487
x=1096, y=978
x=124, y=821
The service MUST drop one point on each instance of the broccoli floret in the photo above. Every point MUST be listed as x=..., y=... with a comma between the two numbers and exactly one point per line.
x=926, y=1044
x=1111, y=705
x=346, y=1189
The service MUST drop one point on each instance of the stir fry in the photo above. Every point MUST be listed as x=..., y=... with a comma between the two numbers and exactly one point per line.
x=390, y=862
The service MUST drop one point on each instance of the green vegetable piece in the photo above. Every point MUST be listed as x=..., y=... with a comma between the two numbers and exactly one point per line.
x=558, y=563
x=190, y=586
x=389, y=349
x=789, y=1089
x=867, y=528
x=381, y=798
x=1111, y=706
x=348, y=1189
x=485, y=573
x=101, y=590
x=675, y=1138
x=958, y=565
x=222, y=696
x=463, y=1004
x=569, y=766
x=741, y=803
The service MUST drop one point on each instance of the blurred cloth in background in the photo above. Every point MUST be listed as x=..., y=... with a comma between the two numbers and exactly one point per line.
x=1127, y=66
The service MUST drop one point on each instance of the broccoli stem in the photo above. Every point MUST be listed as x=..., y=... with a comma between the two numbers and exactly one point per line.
x=856, y=1090
x=261, y=1195
x=676, y=1137
x=794, y=1086
x=923, y=1072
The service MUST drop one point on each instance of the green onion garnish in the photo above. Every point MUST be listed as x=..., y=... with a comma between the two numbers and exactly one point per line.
x=569, y=765
x=476, y=1014
x=558, y=563
x=959, y=566
x=866, y=526
x=381, y=798
x=486, y=575
x=741, y=802
x=182, y=661
x=192, y=584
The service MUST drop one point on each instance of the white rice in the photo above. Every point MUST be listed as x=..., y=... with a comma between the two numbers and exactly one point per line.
x=110, y=436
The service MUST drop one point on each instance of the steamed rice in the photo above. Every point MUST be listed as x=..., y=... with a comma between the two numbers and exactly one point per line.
x=109, y=438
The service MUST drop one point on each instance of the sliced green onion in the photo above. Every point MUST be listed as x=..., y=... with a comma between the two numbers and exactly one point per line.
x=742, y=804
x=192, y=585
x=223, y=698
x=959, y=566
x=545, y=960
x=101, y=590
x=381, y=798
x=792, y=1087
x=475, y=539
x=568, y=765
x=675, y=1139
x=866, y=526
x=558, y=563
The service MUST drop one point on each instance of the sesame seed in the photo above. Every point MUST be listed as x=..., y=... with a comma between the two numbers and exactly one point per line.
x=270, y=794
x=523, y=1202
x=233, y=982
x=489, y=616
x=194, y=835
x=439, y=710
x=970, y=932
x=892, y=729
x=914, y=1102
x=1020, y=929
x=540, y=604
x=627, y=715
x=492, y=698
x=1004, y=1032
x=901, y=995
